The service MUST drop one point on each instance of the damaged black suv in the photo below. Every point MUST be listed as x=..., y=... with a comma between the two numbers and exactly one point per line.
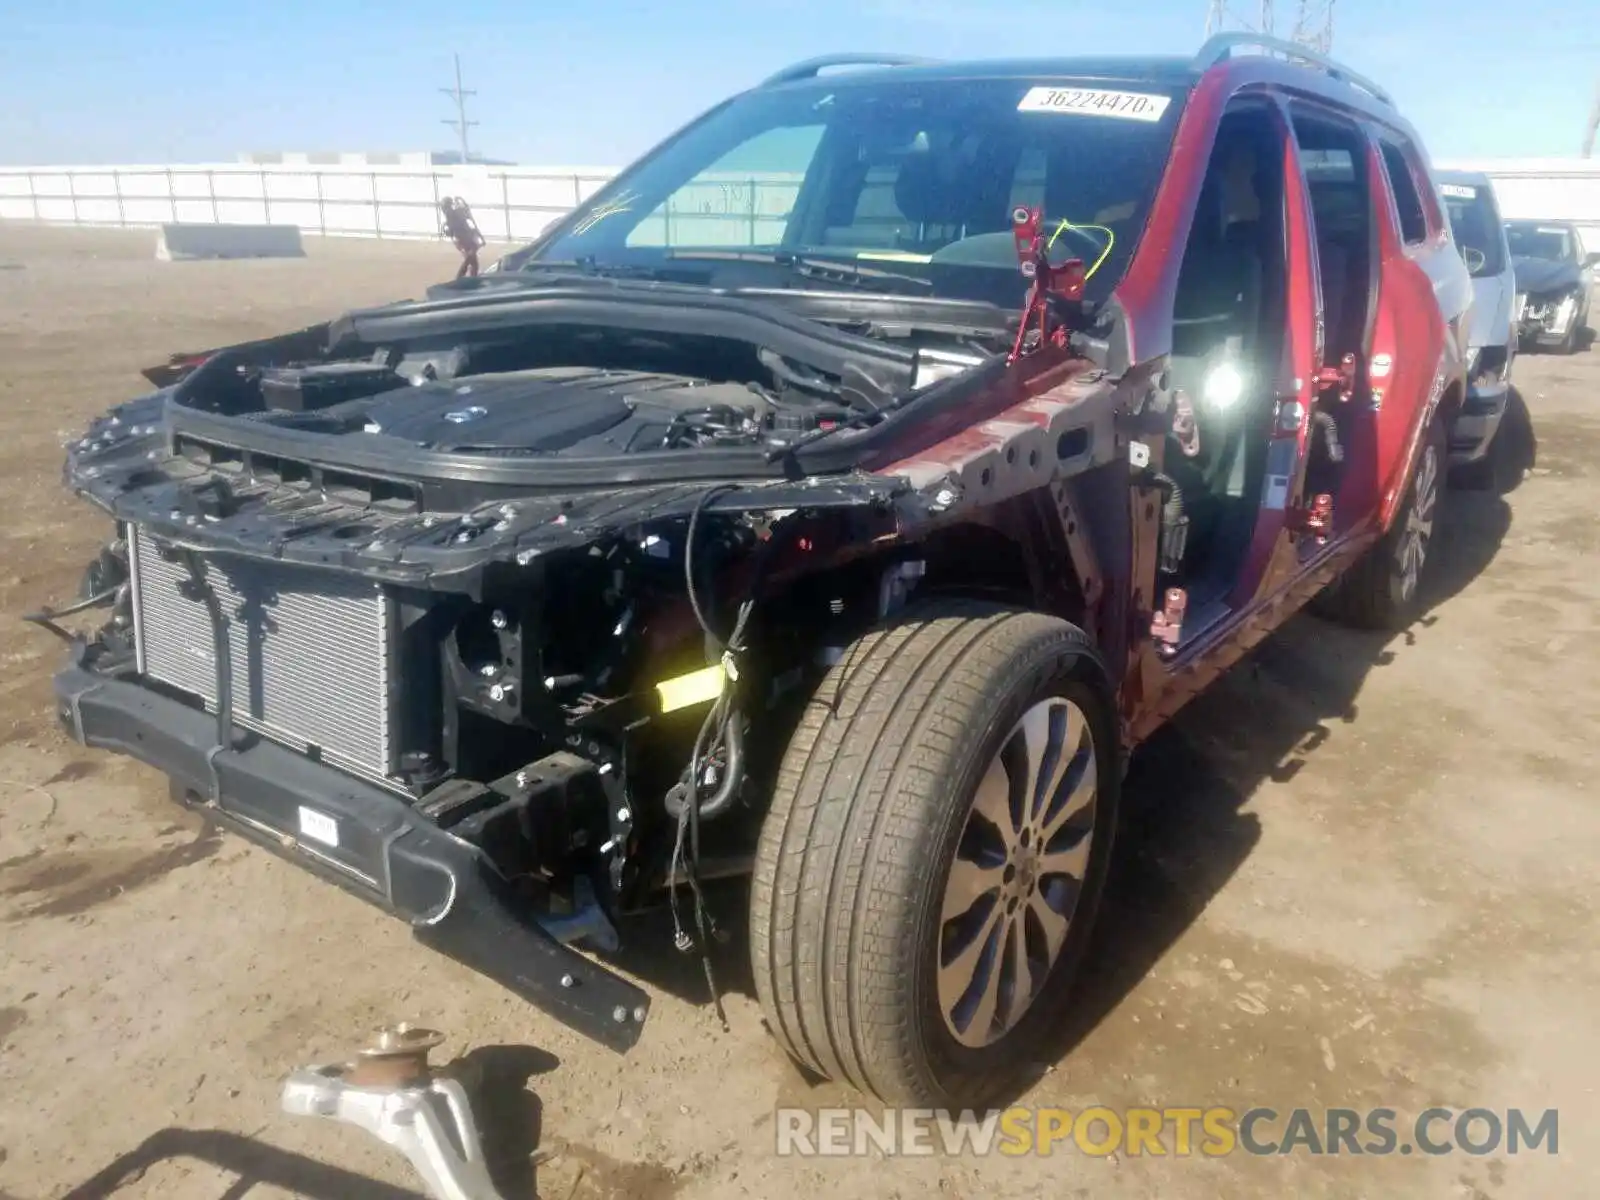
x=833, y=499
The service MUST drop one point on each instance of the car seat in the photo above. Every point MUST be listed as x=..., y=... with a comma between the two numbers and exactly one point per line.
x=1216, y=319
x=953, y=191
x=1217, y=303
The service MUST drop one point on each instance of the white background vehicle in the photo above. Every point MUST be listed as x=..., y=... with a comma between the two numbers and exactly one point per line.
x=1480, y=235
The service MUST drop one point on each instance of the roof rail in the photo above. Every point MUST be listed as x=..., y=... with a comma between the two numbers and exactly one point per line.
x=813, y=67
x=1223, y=45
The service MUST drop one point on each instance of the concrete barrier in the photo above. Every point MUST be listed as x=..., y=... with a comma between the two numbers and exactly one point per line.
x=180, y=242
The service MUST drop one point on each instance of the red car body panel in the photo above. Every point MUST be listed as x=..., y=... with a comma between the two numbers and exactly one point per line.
x=1421, y=293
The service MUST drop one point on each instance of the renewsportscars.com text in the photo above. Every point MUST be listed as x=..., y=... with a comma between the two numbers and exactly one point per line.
x=1178, y=1132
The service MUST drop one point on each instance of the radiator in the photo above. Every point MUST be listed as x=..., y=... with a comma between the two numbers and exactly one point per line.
x=310, y=652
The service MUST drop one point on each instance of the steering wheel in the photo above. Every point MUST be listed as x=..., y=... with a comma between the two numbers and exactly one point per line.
x=1475, y=258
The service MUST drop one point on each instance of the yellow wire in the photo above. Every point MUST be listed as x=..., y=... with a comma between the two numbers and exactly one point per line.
x=1111, y=240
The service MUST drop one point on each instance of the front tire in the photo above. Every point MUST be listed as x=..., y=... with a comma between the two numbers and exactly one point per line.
x=938, y=842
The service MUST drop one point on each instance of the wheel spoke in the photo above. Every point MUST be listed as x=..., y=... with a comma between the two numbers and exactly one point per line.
x=1425, y=471
x=1410, y=562
x=1037, y=725
x=1073, y=862
x=993, y=802
x=1051, y=923
x=975, y=970
x=969, y=882
x=961, y=969
x=1079, y=798
x=1067, y=730
x=1014, y=878
x=1021, y=972
x=981, y=1025
x=1419, y=522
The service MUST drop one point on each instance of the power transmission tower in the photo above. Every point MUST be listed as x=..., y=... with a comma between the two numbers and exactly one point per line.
x=1313, y=21
x=1313, y=25
x=1593, y=129
x=1220, y=17
x=460, y=123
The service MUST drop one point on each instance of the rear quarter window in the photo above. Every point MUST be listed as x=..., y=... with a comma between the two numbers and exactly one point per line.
x=1408, y=200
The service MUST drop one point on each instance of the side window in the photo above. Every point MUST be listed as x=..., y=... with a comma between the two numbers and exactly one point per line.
x=1407, y=200
x=742, y=200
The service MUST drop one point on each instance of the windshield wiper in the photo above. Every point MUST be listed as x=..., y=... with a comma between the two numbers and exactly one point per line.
x=809, y=267
x=588, y=266
x=822, y=271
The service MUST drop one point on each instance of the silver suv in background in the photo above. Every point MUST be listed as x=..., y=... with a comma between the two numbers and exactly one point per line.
x=1492, y=340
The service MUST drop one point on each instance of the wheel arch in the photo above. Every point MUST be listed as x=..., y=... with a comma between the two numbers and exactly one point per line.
x=1443, y=411
x=1019, y=553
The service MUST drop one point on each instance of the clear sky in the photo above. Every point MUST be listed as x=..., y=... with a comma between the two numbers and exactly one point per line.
x=595, y=82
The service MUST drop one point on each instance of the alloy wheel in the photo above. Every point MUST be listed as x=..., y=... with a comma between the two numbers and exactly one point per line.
x=1018, y=872
x=1418, y=533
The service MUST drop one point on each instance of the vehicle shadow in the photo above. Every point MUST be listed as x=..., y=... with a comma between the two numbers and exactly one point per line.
x=650, y=949
x=253, y=1162
x=1515, y=448
x=1183, y=832
x=507, y=1112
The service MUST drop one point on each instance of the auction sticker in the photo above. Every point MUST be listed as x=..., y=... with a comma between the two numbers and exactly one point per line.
x=1095, y=102
x=319, y=826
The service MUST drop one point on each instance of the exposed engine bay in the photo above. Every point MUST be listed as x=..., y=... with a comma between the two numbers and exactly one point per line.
x=573, y=411
x=588, y=411
x=440, y=377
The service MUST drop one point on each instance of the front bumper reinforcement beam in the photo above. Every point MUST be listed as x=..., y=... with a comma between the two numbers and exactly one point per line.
x=384, y=851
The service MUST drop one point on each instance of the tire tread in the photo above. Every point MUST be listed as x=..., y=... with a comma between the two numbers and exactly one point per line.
x=858, y=795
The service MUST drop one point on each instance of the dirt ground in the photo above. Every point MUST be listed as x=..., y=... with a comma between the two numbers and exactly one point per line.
x=1362, y=872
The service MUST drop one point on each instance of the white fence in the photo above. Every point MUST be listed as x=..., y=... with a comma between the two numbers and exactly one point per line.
x=516, y=204
x=385, y=202
x=510, y=205
x=1550, y=189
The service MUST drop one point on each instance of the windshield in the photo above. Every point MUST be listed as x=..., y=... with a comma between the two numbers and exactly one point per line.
x=912, y=181
x=1476, y=226
x=1549, y=242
